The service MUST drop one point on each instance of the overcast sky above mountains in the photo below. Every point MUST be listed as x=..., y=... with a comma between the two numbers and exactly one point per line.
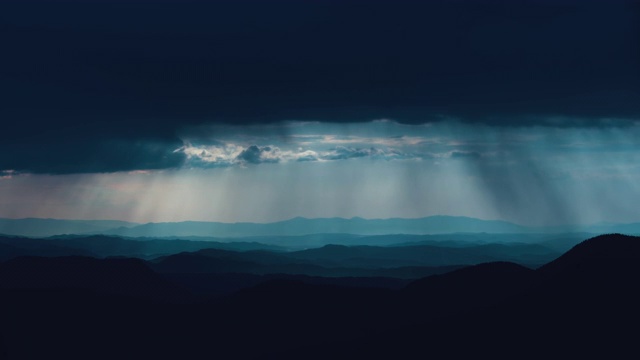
x=262, y=111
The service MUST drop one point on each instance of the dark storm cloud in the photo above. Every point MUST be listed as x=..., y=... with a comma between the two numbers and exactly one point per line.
x=147, y=69
x=64, y=155
x=256, y=155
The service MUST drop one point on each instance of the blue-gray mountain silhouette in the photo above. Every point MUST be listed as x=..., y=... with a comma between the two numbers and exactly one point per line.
x=303, y=226
x=47, y=227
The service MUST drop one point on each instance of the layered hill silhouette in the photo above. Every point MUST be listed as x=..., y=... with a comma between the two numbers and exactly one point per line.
x=432, y=255
x=47, y=227
x=11, y=247
x=304, y=226
x=411, y=260
x=292, y=227
x=338, y=260
x=129, y=277
x=105, y=246
x=580, y=304
x=440, y=224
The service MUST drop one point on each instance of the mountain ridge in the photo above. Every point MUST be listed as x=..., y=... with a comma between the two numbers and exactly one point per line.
x=297, y=226
x=537, y=310
x=304, y=226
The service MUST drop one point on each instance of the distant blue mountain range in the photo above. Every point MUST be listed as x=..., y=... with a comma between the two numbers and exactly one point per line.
x=35, y=227
x=302, y=226
x=294, y=227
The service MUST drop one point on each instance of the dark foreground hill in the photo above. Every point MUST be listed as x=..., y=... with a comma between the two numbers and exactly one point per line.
x=583, y=304
x=339, y=260
x=127, y=277
x=605, y=253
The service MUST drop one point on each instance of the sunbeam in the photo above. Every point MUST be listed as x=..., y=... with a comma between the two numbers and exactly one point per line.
x=529, y=175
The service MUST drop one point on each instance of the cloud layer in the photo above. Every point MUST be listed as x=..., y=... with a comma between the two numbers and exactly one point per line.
x=78, y=77
x=232, y=154
x=530, y=175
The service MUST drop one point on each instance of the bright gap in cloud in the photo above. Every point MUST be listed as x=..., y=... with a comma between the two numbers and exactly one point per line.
x=532, y=176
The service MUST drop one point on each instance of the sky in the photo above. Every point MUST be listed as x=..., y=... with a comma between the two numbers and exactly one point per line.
x=526, y=111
